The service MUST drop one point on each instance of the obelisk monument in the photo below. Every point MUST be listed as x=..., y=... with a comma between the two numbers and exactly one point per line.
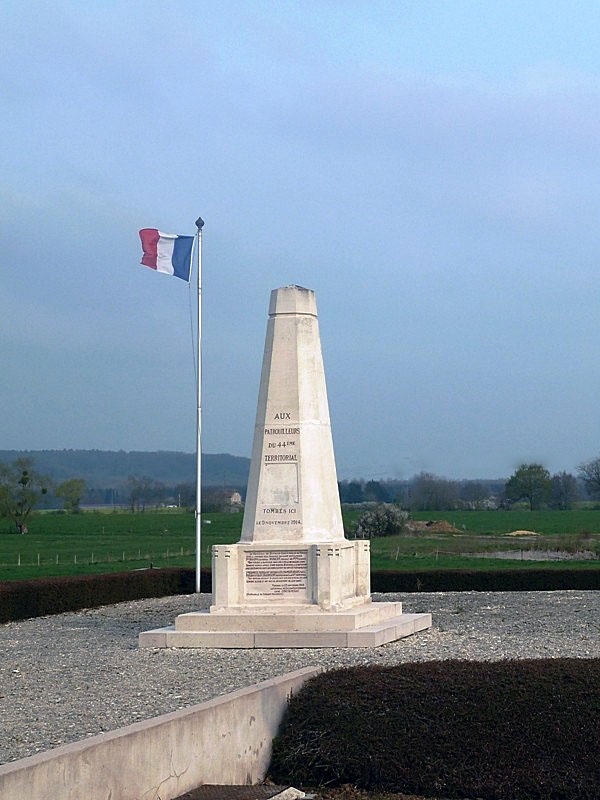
x=292, y=491
x=293, y=579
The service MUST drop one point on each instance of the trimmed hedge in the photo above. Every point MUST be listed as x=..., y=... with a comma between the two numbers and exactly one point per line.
x=463, y=580
x=511, y=730
x=36, y=598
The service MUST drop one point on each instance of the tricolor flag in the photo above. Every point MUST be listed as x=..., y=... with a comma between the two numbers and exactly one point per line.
x=167, y=252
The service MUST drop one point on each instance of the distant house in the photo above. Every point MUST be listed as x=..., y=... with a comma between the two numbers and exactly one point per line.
x=235, y=499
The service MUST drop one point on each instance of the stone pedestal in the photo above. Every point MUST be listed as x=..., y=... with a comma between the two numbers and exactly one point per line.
x=293, y=580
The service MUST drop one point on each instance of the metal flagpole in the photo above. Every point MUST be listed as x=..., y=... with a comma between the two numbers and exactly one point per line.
x=199, y=225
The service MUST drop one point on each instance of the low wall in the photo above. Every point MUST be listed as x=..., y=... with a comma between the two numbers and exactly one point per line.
x=226, y=740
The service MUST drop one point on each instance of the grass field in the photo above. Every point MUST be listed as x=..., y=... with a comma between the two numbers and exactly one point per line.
x=59, y=544
x=109, y=542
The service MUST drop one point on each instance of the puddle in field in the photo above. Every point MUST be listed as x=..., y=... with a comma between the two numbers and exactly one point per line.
x=536, y=555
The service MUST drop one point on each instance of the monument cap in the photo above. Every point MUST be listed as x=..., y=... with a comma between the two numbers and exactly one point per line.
x=293, y=300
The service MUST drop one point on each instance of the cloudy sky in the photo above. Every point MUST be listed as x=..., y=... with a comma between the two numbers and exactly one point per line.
x=429, y=168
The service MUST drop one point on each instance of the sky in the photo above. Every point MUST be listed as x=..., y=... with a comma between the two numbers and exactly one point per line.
x=429, y=168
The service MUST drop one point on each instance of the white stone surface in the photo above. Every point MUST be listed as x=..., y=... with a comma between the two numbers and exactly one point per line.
x=349, y=619
x=329, y=576
x=328, y=634
x=292, y=488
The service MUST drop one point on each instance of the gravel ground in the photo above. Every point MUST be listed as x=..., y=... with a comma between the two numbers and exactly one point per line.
x=69, y=676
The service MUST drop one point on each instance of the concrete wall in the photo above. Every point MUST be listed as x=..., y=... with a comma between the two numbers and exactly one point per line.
x=226, y=740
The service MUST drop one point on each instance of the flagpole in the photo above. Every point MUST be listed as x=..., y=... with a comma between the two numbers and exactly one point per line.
x=199, y=225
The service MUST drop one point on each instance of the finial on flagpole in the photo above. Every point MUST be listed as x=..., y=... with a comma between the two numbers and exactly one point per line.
x=199, y=223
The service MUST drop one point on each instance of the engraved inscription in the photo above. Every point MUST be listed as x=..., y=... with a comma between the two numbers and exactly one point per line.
x=279, y=497
x=276, y=573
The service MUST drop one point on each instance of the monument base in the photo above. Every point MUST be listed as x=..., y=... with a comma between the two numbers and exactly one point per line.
x=250, y=577
x=296, y=594
x=367, y=625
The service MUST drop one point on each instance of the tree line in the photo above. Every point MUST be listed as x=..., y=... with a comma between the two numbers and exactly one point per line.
x=143, y=493
x=23, y=488
x=531, y=484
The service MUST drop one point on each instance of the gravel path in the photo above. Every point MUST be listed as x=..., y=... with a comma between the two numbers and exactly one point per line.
x=66, y=677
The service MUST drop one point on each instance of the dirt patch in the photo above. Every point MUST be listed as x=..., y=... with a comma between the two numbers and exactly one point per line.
x=431, y=526
x=523, y=533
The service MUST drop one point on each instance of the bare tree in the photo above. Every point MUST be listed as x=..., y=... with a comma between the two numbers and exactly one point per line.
x=186, y=495
x=144, y=491
x=429, y=492
x=589, y=472
x=564, y=492
x=474, y=494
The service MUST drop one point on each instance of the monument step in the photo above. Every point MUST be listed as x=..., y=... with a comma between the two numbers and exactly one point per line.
x=293, y=619
x=397, y=627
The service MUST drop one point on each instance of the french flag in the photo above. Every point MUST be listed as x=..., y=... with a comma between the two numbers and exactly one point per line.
x=167, y=252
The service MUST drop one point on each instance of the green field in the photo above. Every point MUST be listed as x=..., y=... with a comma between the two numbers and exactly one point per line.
x=59, y=544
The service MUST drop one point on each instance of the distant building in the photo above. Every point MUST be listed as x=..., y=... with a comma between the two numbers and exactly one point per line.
x=235, y=499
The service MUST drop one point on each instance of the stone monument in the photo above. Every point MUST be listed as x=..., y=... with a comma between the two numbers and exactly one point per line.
x=293, y=580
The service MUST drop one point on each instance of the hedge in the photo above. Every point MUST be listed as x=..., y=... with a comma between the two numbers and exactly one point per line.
x=511, y=730
x=35, y=598
x=502, y=580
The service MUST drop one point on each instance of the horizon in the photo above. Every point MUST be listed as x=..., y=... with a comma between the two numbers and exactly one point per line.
x=346, y=478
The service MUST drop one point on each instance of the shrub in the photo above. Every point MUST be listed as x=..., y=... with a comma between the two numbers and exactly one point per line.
x=508, y=730
x=383, y=520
